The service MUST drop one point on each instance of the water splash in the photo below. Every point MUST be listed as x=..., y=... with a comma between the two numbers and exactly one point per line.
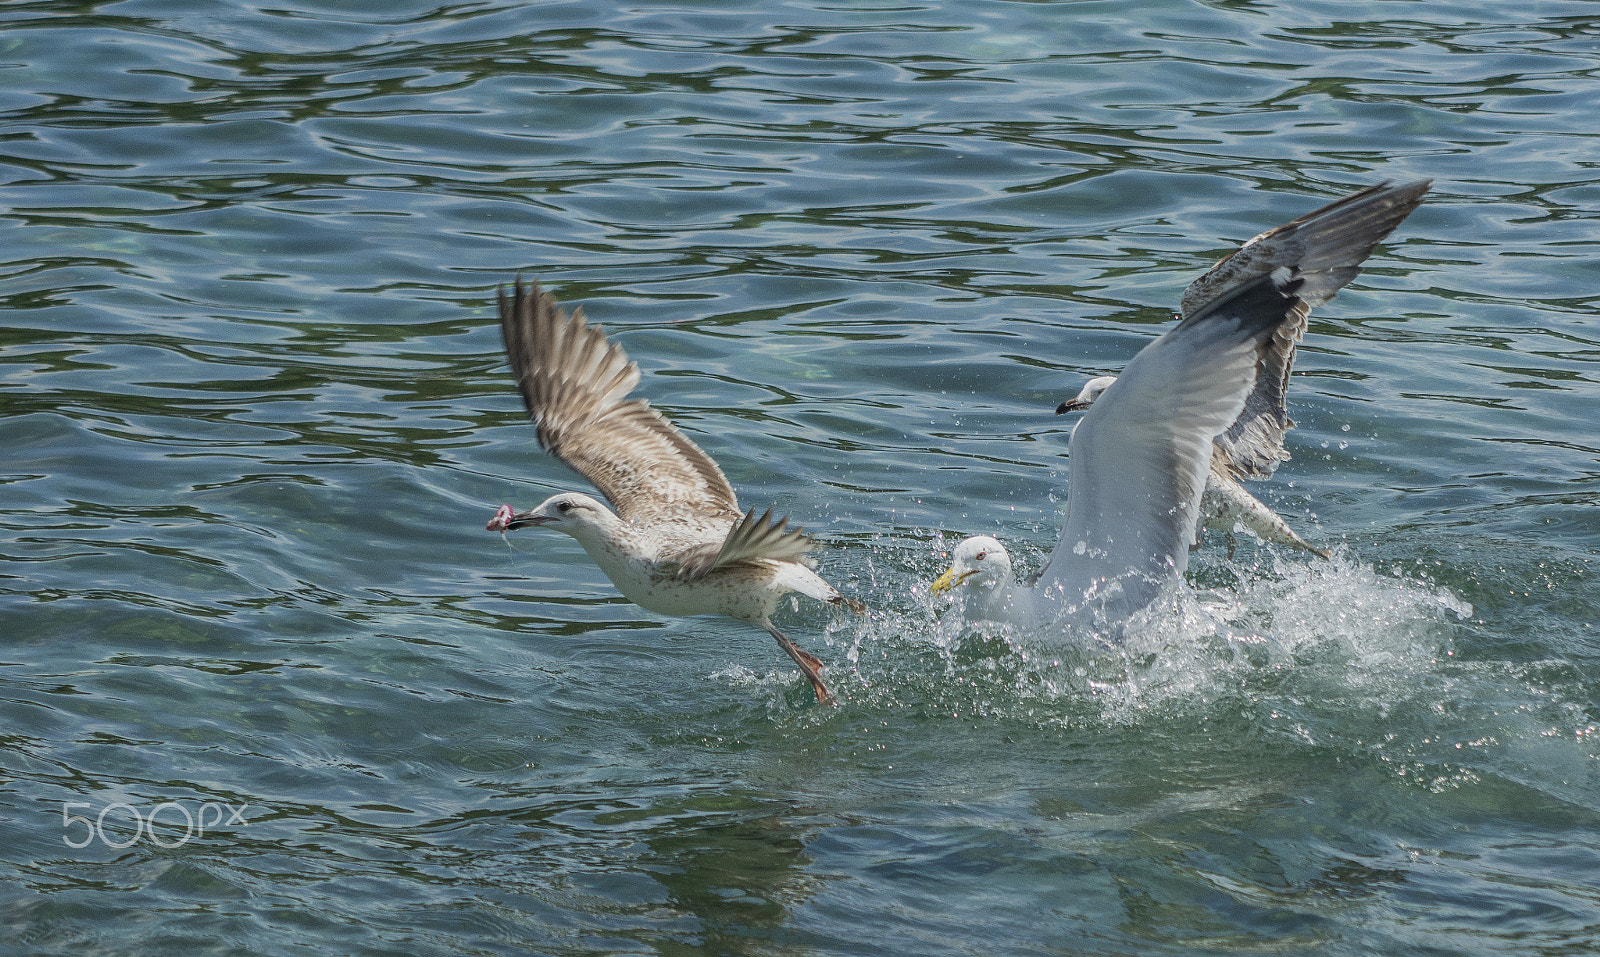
x=1339, y=618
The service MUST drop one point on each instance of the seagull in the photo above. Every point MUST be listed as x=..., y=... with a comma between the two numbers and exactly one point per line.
x=1253, y=445
x=1140, y=457
x=677, y=543
x=1224, y=502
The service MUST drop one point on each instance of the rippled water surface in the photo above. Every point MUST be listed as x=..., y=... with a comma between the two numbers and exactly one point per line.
x=268, y=687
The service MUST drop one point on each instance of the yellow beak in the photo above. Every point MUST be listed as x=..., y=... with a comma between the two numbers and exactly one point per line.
x=950, y=580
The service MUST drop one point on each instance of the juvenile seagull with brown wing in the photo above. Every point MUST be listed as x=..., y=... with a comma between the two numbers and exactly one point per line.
x=677, y=543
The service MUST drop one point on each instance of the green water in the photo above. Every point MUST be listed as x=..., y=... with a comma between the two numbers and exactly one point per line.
x=255, y=414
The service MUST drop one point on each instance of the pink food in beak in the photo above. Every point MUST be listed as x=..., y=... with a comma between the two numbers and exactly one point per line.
x=501, y=520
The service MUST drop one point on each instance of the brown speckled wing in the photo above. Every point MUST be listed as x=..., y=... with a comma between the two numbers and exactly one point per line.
x=755, y=537
x=575, y=384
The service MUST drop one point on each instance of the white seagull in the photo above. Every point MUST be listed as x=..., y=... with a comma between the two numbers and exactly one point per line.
x=677, y=543
x=1225, y=502
x=1210, y=386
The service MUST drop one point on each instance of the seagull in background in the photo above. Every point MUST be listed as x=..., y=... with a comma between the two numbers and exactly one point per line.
x=677, y=542
x=1141, y=455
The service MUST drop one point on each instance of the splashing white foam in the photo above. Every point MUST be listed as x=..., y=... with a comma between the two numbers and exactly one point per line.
x=1338, y=624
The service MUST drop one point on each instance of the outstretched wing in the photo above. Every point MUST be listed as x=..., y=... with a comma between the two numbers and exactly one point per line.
x=1327, y=246
x=1138, y=459
x=575, y=384
x=1140, y=456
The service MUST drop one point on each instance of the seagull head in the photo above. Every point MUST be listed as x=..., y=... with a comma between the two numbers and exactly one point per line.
x=570, y=512
x=1085, y=398
x=980, y=562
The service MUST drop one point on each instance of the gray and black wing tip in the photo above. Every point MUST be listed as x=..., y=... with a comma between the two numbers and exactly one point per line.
x=1261, y=305
x=1400, y=202
x=1411, y=192
x=1390, y=205
x=1379, y=199
x=1341, y=235
x=1329, y=246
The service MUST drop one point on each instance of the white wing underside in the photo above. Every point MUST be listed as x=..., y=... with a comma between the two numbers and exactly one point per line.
x=1139, y=458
